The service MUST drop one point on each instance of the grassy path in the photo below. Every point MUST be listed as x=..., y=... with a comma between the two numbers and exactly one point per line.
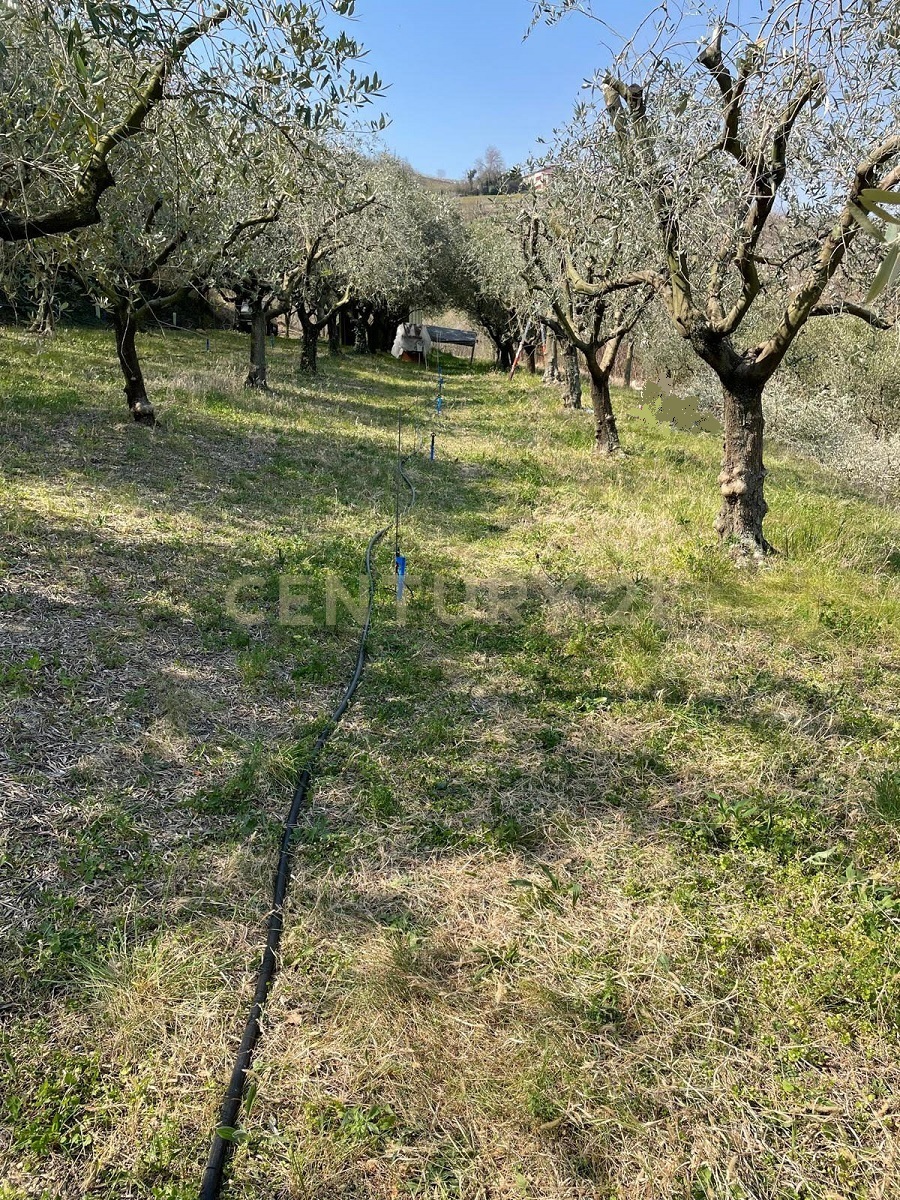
x=598, y=894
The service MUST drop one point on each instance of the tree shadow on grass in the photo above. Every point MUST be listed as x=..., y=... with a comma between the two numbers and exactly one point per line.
x=155, y=742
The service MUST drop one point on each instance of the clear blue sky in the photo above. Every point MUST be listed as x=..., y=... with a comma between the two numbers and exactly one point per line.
x=462, y=78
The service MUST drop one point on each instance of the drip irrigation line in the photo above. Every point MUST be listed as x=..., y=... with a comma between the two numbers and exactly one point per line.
x=229, y=1113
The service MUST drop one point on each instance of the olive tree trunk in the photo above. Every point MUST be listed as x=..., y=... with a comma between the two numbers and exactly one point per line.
x=361, y=334
x=742, y=481
x=334, y=336
x=383, y=327
x=572, y=394
x=309, y=351
x=551, y=359
x=259, y=324
x=606, y=435
x=126, y=349
x=505, y=352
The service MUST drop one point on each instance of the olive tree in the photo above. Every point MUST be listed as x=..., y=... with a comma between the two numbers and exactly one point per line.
x=408, y=254
x=176, y=217
x=493, y=291
x=292, y=265
x=572, y=236
x=353, y=231
x=329, y=227
x=80, y=80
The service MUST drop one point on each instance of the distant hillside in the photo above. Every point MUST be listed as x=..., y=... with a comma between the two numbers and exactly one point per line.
x=434, y=183
x=461, y=188
x=472, y=204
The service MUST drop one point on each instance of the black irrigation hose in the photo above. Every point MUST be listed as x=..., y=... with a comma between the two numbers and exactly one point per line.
x=214, y=1174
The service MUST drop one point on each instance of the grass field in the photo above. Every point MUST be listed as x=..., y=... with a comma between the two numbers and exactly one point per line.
x=597, y=896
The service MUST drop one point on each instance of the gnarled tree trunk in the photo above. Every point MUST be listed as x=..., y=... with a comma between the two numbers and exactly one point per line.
x=505, y=351
x=126, y=349
x=334, y=336
x=606, y=435
x=361, y=333
x=309, y=352
x=383, y=327
x=740, y=519
x=551, y=359
x=259, y=323
x=572, y=394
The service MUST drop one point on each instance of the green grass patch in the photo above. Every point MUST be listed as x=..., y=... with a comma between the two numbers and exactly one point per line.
x=597, y=883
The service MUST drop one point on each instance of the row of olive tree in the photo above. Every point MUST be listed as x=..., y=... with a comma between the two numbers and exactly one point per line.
x=254, y=194
x=722, y=183
x=232, y=174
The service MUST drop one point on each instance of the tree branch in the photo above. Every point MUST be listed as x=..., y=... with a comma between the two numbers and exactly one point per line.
x=320, y=247
x=847, y=308
x=766, y=182
x=257, y=224
x=580, y=285
x=832, y=254
x=82, y=209
x=732, y=93
x=164, y=255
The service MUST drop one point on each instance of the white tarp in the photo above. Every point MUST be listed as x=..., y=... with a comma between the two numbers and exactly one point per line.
x=411, y=339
